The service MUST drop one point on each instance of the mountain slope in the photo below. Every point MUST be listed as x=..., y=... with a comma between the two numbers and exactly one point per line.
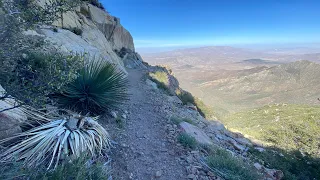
x=289, y=127
x=295, y=82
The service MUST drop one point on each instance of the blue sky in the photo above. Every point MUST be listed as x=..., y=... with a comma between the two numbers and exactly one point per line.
x=178, y=23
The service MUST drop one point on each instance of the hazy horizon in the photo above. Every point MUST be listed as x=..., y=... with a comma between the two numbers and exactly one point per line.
x=167, y=25
x=303, y=48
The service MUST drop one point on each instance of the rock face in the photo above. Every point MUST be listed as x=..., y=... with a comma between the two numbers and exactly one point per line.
x=10, y=119
x=102, y=34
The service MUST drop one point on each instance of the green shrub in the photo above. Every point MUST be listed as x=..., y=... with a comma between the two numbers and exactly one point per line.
x=33, y=76
x=178, y=120
x=187, y=141
x=161, y=79
x=289, y=126
x=228, y=166
x=203, y=109
x=99, y=86
x=186, y=97
x=79, y=169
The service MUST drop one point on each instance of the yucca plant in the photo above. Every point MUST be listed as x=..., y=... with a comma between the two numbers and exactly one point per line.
x=99, y=86
x=52, y=142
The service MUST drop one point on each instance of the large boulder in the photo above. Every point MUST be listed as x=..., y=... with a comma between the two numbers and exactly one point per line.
x=10, y=120
x=196, y=132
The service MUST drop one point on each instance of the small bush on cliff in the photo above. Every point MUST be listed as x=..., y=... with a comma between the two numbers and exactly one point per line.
x=203, y=109
x=187, y=141
x=99, y=86
x=161, y=79
x=228, y=166
x=178, y=120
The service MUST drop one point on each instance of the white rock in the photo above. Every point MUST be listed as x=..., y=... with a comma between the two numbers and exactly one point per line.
x=10, y=119
x=196, y=132
x=260, y=149
x=158, y=174
x=152, y=84
x=114, y=114
x=236, y=145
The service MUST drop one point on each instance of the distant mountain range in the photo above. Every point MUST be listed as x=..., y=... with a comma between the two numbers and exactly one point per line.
x=233, y=79
x=213, y=55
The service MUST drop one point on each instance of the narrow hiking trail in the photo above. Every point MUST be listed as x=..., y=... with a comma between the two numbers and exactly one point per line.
x=143, y=152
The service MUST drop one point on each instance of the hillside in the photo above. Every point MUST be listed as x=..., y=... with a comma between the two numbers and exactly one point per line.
x=296, y=82
x=285, y=126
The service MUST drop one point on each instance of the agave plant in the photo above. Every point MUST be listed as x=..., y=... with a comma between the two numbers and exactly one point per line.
x=57, y=140
x=99, y=86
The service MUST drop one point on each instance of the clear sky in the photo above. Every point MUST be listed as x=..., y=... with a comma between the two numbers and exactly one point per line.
x=170, y=23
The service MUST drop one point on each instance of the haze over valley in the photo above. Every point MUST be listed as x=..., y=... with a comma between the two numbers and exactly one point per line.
x=234, y=79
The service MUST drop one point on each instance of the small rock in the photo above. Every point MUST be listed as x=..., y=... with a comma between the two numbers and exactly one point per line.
x=124, y=116
x=202, y=173
x=194, y=170
x=131, y=176
x=113, y=114
x=209, y=173
x=24, y=56
x=236, y=145
x=189, y=159
x=158, y=174
x=260, y=149
x=257, y=166
x=126, y=112
x=194, y=152
x=191, y=176
x=152, y=84
x=124, y=145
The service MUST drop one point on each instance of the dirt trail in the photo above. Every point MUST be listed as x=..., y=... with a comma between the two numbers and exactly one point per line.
x=143, y=151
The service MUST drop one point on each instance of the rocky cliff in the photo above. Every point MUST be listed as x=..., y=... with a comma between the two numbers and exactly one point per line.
x=101, y=35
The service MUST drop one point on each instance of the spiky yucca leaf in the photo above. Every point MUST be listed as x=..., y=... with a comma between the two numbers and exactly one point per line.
x=99, y=86
x=53, y=141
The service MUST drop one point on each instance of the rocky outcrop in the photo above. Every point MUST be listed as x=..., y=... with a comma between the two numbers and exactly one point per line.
x=196, y=132
x=10, y=120
x=271, y=174
x=102, y=34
